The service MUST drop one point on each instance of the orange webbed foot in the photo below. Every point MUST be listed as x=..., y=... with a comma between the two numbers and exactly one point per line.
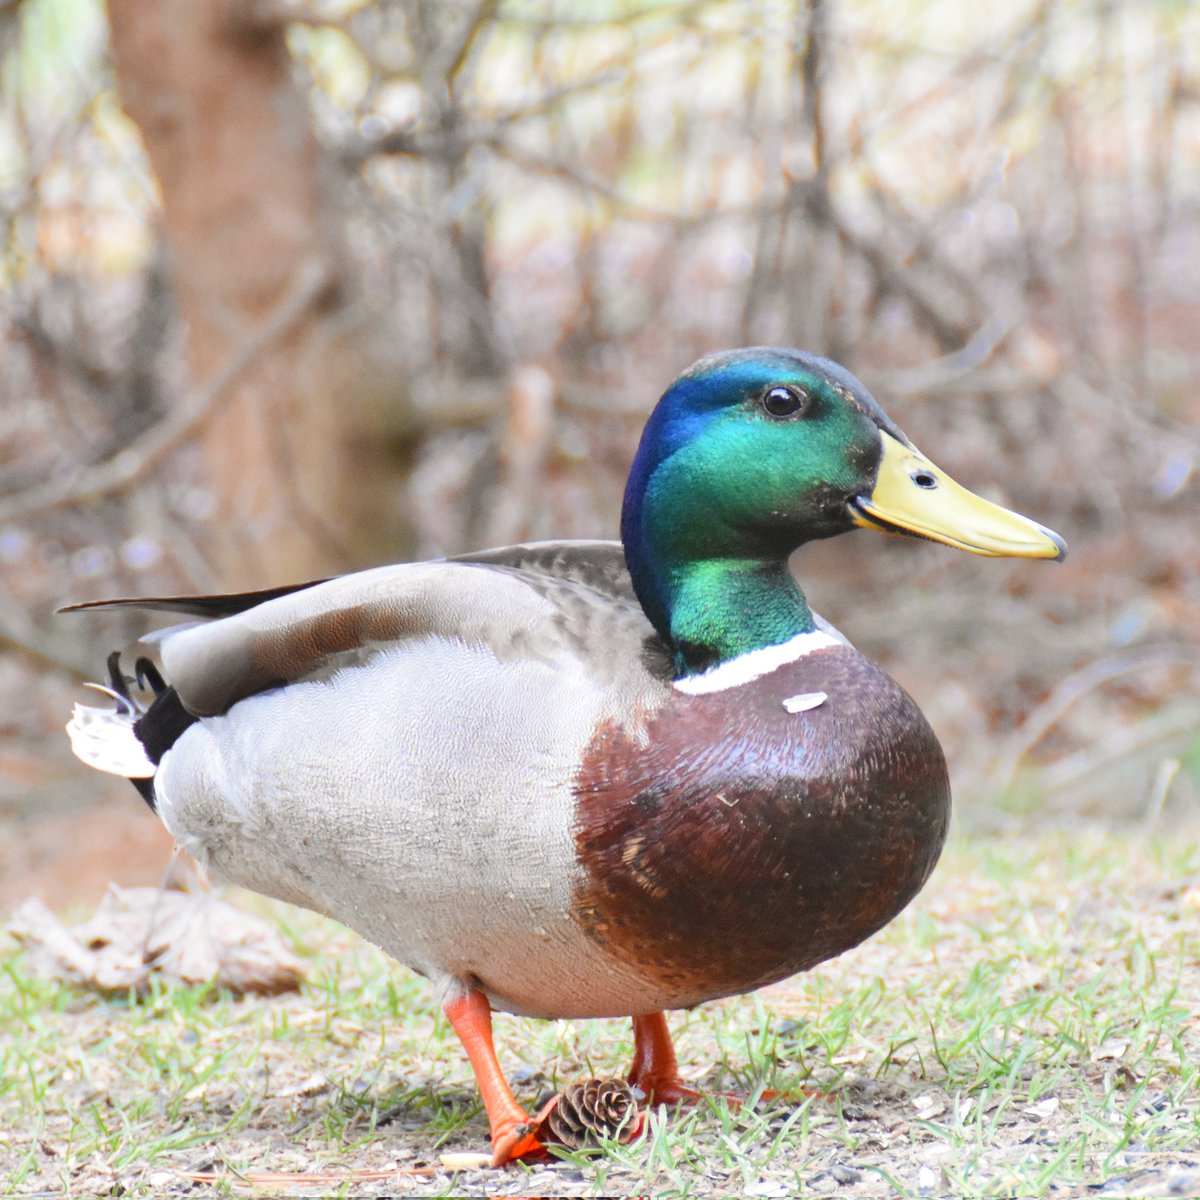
x=523, y=1140
x=655, y=1070
x=592, y=1106
x=669, y=1090
x=530, y=1140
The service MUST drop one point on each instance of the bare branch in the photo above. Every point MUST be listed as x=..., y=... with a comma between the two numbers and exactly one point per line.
x=423, y=143
x=145, y=452
x=266, y=15
x=947, y=327
x=952, y=370
x=19, y=635
x=1072, y=688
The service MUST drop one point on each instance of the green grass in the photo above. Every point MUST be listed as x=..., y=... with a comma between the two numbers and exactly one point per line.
x=1028, y=1027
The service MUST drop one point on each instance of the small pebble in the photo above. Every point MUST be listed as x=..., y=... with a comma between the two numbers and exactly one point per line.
x=768, y=1189
x=844, y=1174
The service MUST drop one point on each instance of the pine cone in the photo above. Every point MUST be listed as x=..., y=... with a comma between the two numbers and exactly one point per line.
x=596, y=1106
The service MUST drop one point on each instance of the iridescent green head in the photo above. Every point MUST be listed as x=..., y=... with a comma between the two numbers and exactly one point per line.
x=750, y=454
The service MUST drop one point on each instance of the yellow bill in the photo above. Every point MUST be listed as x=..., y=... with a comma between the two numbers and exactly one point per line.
x=912, y=496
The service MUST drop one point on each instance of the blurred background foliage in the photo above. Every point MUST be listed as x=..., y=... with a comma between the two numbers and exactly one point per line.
x=293, y=288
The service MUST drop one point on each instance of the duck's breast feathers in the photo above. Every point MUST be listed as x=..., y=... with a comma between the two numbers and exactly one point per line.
x=759, y=829
x=544, y=602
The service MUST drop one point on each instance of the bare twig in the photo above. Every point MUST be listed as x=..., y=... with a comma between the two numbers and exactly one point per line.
x=417, y=142
x=145, y=452
x=457, y=54
x=1043, y=718
x=1119, y=747
x=948, y=327
x=952, y=371
x=20, y=635
x=1165, y=776
x=271, y=14
x=556, y=168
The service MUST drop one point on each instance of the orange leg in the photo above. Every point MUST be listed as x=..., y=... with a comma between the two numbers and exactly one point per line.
x=514, y=1132
x=655, y=1069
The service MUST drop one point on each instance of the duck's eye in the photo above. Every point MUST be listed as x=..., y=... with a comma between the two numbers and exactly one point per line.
x=781, y=401
x=923, y=478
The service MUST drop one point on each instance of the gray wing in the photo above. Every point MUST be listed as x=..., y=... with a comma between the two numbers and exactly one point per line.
x=567, y=603
x=599, y=565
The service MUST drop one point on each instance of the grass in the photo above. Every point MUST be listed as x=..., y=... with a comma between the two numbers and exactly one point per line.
x=1027, y=1028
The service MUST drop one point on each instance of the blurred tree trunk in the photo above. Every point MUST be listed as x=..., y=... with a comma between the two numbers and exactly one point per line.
x=306, y=450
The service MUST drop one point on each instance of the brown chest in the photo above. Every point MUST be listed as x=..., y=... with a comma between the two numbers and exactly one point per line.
x=739, y=842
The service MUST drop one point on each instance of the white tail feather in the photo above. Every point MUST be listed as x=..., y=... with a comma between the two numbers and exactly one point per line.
x=104, y=738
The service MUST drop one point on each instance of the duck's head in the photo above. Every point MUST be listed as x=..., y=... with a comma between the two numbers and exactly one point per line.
x=750, y=454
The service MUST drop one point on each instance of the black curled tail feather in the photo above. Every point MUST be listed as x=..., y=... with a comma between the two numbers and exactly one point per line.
x=156, y=726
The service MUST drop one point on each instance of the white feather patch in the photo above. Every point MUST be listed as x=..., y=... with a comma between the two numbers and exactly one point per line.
x=105, y=739
x=755, y=663
x=804, y=701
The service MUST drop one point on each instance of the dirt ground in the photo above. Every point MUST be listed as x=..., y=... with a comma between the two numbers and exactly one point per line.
x=1085, y=960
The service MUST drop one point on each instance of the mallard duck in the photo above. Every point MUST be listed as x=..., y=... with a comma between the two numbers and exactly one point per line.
x=581, y=778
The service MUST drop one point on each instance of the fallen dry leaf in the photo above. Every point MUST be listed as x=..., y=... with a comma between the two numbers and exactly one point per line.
x=1043, y=1108
x=1112, y=1048
x=136, y=933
